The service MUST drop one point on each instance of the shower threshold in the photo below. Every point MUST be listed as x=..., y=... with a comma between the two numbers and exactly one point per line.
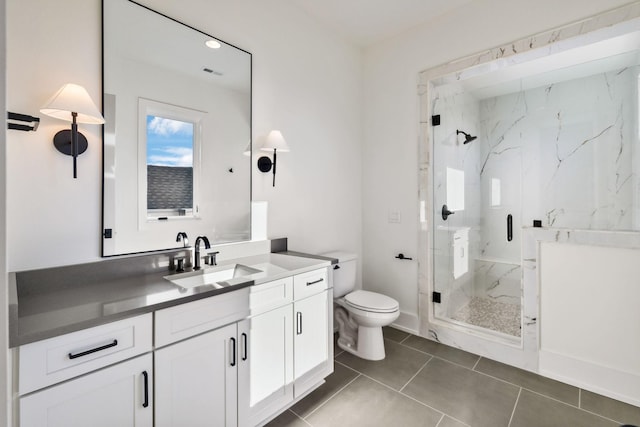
x=493, y=315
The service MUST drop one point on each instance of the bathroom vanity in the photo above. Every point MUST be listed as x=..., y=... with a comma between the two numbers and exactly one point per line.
x=230, y=352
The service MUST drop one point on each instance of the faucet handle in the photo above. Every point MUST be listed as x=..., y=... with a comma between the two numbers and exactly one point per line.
x=210, y=258
x=178, y=263
x=180, y=268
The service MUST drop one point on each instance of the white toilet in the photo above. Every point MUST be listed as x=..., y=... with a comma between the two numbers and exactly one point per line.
x=359, y=315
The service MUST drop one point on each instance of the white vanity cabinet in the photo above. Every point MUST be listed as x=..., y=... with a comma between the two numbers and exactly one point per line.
x=266, y=353
x=196, y=361
x=235, y=358
x=196, y=380
x=285, y=345
x=116, y=387
x=313, y=330
x=120, y=395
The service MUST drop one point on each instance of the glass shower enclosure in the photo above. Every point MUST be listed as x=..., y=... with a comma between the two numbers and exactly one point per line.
x=477, y=220
x=556, y=149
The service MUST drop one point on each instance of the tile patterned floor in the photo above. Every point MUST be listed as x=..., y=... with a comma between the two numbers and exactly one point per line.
x=423, y=383
x=490, y=314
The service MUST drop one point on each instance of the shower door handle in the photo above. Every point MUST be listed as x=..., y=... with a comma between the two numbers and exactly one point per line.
x=446, y=212
x=509, y=228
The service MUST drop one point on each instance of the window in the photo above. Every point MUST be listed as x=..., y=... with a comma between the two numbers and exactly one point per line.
x=170, y=140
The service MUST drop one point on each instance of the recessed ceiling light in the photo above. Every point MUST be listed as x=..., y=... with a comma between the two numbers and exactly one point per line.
x=212, y=44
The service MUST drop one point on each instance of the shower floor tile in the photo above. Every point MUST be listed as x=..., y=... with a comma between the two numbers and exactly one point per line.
x=490, y=314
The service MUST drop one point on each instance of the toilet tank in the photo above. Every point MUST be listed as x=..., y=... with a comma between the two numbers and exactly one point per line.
x=344, y=273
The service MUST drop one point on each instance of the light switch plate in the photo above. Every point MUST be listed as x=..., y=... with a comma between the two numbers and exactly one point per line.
x=394, y=217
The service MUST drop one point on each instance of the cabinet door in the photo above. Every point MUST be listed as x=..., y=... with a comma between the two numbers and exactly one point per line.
x=311, y=345
x=266, y=365
x=196, y=381
x=116, y=396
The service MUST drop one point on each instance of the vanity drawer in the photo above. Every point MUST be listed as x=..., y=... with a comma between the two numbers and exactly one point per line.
x=270, y=295
x=310, y=283
x=53, y=360
x=185, y=320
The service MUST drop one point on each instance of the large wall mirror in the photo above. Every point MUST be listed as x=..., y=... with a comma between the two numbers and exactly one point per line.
x=177, y=105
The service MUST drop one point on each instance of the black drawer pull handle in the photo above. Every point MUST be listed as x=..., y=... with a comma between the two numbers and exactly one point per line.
x=244, y=343
x=145, y=375
x=314, y=282
x=233, y=352
x=93, y=350
x=509, y=228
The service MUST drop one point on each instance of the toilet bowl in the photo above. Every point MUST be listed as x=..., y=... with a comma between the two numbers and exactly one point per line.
x=360, y=315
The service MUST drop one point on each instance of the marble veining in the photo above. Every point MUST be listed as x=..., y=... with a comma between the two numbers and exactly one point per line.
x=572, y=214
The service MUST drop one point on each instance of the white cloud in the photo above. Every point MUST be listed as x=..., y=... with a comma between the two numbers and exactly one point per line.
x=174, y=156
x=164, y=127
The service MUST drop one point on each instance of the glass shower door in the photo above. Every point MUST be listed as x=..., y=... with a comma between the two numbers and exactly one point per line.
x=477, y=223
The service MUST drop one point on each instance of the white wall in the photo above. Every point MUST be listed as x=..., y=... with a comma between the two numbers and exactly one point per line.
x=390, y=157
x=583, y=343
x=306, y=82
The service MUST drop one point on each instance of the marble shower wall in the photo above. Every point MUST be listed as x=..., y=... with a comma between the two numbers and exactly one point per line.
x=562, y=153
x=571, y=147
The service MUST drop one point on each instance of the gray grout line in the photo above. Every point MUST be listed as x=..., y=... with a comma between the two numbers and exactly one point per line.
x=416, y=374
x=431, y=407
x=433, y=355
x=477, y=361
x=347, y=366
x=440, y=420
x=572, y=406
x=333, y=395
x=400, y=393
x=300, y=418
x=479, y=372
x=515, y=405
x=405, y=338
x=580, y=398
x=410, y=397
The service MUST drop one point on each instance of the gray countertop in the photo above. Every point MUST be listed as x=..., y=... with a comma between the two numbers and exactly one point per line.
x=51, y=302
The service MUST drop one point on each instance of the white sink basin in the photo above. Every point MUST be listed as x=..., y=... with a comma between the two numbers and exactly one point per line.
x=217, y=277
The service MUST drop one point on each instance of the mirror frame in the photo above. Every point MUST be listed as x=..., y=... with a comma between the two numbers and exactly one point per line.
x=107, y=233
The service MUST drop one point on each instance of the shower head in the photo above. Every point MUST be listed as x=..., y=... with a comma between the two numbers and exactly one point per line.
x=467, y=137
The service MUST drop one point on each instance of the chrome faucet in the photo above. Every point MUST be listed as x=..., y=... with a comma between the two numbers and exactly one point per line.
x=182, y=237
x=207, y=245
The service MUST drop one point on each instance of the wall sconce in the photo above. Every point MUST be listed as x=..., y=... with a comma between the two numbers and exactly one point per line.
x=274, y=142
x=72, y=103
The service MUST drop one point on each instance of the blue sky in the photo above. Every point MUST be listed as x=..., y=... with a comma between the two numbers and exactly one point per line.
x=169, y=142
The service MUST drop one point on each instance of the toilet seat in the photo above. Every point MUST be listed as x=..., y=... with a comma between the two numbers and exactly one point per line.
x=371, y=302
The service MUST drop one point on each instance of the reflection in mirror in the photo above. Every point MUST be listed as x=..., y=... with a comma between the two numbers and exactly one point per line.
x=177, y=105
x=171, y=136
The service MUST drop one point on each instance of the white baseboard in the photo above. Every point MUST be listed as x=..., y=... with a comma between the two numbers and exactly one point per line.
x=604, y=380
x=407, y=322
